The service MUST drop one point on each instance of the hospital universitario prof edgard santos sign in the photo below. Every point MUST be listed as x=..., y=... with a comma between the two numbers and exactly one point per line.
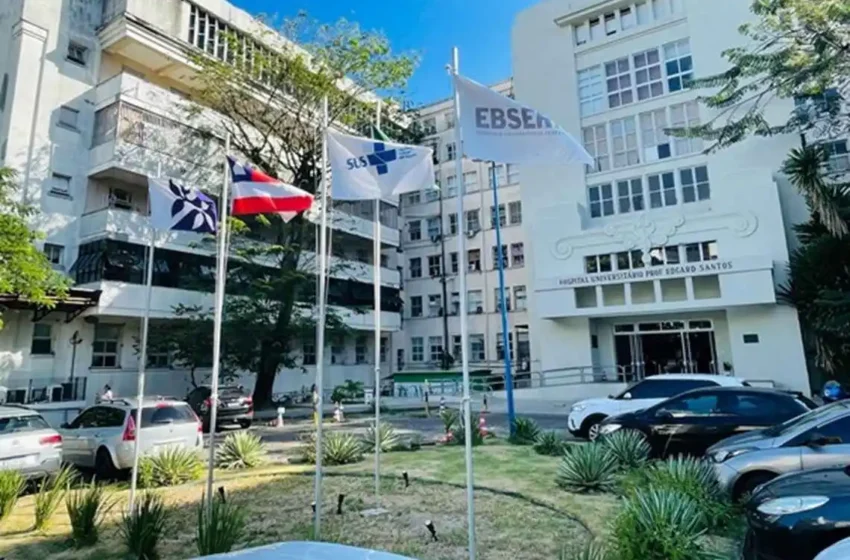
x=649, y=273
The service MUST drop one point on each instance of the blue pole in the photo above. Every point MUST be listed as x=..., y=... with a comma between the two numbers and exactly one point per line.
x=509, y=380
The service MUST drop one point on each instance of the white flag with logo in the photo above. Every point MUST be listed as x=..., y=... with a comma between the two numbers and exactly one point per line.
x=366, y=169
x=497, y=128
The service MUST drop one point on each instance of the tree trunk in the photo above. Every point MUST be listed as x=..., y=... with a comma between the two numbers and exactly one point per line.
x=265, y=379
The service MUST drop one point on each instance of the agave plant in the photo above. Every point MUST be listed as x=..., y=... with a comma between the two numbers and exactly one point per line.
x=450, y=419
x=142, y=528
x=458, y=436
x=50, y=494
x=12, y=485
x=659, y=524
x=594, y=550
x=220, y=526
x=629, y=448
x=341, y=448
x=549, y=443
x=587, y=468
x=86, y=509
x=241, y=450
x=386, y=434
x=170, y=467
x=688, y=475
x=525, y=432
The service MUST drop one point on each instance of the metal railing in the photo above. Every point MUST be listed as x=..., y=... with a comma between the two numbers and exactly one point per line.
x=47, y=390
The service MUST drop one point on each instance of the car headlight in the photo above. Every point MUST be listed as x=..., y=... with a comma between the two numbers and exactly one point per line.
x=609, y=428
x=578, y=407
x=787, y=506
x=720, y=456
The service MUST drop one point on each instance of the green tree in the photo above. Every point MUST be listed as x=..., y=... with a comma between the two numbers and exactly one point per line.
x=24, y=270
x=270, y=92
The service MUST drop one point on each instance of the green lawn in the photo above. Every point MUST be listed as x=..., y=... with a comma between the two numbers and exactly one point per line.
x=535, y=525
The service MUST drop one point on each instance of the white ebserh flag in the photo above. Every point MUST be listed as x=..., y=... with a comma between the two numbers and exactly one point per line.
x=497, y=128
x=366, y=169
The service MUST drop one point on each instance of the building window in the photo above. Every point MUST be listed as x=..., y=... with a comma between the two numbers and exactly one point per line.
x=454, y=307
x=54, y=253
x=517, y=255
x=699, y=252
x=618, y=81
x=476, y=348
x=497, y=299
x=360, y=350
x=656, y=143
x=385, y=347
x=452, y=224
x=432, y=195
x=751, y=339
x=500, y=349
x=497, y=255
x=513, y=174
x=435, y=348
x=624, y=142
x=457, y=345
x=68, y=118
x=435, y=305
x=451, y=186
x=473, y=260
x=627, y=18
x=451, y=153
x=581, y=34
x=595, y=264
x=449, y=118
x=590, y=91
x=500, y=175
x=596, y=143
x=601, y=199
x=837, y=157
x=42, y=339
x=520, y=298
x=648, y=77
x=338, y=351
x=454, y=262
x=77, y=53
x=414, y=230
x=515, y=212
x=4, y=92
x=642, y=12
x=412, y=199
x=662, y=190
x=415, y=267
x=435, y=268
x=679, y=65
x=415, y=306
x=473, y=222
x=630, y=195
x=474, y=301
x=595, y=29
x=685, y=115
x=434, y=228
x=308, y=353
x=610, y=20
x=503, y=218
x=429, y=126
x=470, y=182
x=695, y=184
x=106, y=345
x=417, y=349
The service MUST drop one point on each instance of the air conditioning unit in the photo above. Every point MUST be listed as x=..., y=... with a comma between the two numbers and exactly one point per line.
x=435, y=238
x=119, y=198
x=54, y=393
x=479, y=309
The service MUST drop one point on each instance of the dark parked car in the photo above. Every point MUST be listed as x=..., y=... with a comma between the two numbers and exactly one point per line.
x=692, y=422
x=235, y=405
x=796, y=516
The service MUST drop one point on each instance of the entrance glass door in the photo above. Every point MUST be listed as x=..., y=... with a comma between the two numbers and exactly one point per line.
x=665, y=347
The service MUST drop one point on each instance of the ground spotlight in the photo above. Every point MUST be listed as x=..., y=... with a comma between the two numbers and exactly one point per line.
x=339, y=500
x=406, y=479
x=431, y=529
x=313, y=505
x=221, y=493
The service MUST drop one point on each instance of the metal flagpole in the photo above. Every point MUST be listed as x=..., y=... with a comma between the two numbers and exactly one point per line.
x=220, y=278
x=143, y=357
x=509, y=380
x=320, y=325
x=377, y=259
x=464, y=327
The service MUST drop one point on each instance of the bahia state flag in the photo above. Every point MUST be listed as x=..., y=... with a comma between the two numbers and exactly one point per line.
x=366, y=169
x=175, y=207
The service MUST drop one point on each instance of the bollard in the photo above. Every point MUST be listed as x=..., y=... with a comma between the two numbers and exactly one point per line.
x=280, y=412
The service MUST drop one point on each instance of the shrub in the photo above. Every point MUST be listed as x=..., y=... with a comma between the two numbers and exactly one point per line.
x=549, y=443
x=587, y=468
x=348, y=391
x=450, y=419
x=241, y=450
x=458, y=436
x=386, y=434
x=86, y=510
x=171, y=466
x=526, y=432
x=142, y=528
x=220, y=527
x=659, y=524
x=50, y=494
x=629, y=448
x=12, y=484
x=338, y=448
x=594, y=550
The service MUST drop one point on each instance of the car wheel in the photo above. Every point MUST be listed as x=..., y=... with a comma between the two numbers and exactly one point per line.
x=749, y=483
x=244, y=424
x=591, y=427
x=104, y=468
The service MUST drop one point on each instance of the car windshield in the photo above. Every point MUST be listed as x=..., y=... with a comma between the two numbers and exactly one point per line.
x=21, y=424
x=811, y=417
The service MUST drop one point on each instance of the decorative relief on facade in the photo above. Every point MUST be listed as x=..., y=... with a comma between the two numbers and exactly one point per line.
x=84, y=16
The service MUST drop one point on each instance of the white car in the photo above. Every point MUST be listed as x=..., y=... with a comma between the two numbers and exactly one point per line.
x=586, y=415
x=838, y=551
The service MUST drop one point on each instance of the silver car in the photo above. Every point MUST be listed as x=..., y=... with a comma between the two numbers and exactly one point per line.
x=307, y=551
x=27, y=443
x=103, y=436
x=816, y=439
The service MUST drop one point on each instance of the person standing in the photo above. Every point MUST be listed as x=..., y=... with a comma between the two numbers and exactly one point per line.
x=315, y=406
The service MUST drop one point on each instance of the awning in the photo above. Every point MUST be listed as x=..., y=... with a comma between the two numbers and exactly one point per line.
x=77, y=301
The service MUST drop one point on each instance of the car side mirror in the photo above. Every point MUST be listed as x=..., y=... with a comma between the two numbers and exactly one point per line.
x=627, y=396
x=666, y=414
x=611, y=397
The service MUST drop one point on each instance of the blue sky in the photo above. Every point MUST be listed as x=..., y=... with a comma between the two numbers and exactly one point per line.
x=481, y=29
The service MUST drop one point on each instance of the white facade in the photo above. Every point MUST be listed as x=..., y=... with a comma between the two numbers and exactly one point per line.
x=660, y=257
x=429, y=229
x=90, y=106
